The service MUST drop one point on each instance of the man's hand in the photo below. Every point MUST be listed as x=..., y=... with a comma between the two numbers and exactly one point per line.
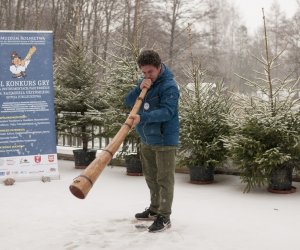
x=146, y=83
x=136, y=120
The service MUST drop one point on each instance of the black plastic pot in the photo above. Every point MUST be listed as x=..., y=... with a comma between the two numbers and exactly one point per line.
x=133, y=165
x=281, y=180
x=83, y=158
x=201, y=175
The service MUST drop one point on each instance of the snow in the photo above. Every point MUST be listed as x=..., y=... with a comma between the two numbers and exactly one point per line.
x=219, y=216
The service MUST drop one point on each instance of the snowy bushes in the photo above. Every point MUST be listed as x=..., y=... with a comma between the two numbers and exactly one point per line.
x=121, y=76
x=262, y=142
x=76, y=92
x=202, y=121
x=265, y=128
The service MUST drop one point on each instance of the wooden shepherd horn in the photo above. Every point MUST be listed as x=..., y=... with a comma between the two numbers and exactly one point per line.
x=83, y=183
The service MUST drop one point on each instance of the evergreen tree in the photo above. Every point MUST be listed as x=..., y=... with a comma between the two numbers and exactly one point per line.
x=203, y=109
x=121, y=76
x=265, y=126
x=76, y=92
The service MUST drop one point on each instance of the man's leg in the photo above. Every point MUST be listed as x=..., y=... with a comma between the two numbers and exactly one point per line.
x=165, y=161
x=148, y=157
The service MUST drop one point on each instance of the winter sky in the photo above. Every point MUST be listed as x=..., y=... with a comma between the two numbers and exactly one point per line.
x=250, y=10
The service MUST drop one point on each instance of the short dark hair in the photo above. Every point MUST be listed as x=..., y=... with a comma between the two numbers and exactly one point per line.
x=14, y=55
x=149, y=57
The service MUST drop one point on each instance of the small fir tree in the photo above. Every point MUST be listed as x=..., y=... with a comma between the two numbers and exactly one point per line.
x=76, y=93
x=265, y=127
x=121, y=76
x=203, y=109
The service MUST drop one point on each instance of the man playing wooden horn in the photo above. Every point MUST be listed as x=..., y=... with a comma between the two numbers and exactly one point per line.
x=18, y=66
x=157, y=124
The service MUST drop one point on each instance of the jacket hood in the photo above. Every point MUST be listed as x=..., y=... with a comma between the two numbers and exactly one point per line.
x=164, y=74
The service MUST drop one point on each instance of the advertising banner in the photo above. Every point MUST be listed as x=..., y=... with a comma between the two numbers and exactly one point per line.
x=27, y=123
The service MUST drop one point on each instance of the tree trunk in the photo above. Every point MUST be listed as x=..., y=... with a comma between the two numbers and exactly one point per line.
x=173, y=25
x=37, y=16
x=18, y=15
x=109, y=7
x=135, y=37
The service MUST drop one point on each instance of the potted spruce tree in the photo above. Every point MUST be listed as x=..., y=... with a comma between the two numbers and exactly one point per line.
x=265, y=141
x=75, y=92
x=121, y=75
x=202, y=124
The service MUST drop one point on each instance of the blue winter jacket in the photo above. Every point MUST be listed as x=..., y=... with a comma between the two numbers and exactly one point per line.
x=159, y=123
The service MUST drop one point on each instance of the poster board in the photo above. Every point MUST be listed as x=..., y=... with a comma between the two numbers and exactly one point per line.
x=27, y=120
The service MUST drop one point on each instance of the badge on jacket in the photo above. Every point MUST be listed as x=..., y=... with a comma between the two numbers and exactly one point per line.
x=146, y=105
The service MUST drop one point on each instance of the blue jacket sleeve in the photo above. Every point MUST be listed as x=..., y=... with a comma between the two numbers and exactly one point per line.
x=132, y=96
x=168, y=107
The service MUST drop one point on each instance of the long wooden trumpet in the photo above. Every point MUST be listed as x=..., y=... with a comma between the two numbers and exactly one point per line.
x=83, y=183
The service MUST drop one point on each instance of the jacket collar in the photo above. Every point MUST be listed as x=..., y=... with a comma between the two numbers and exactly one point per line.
x=161, y=74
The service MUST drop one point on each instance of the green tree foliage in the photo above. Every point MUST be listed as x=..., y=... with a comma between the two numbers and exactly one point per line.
x=202, y=120
x=76, y=92
x=266, y=126
x=121, y=76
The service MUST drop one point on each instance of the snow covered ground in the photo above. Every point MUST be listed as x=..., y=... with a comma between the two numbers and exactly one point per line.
x=37, y=215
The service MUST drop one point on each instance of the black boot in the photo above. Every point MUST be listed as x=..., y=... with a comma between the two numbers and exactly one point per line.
x=146, y=215
x=160, y=224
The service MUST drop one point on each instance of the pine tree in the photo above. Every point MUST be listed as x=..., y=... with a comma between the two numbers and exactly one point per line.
x=203, y=109
x=76, y=92
x=121, y=76
x=265, y=127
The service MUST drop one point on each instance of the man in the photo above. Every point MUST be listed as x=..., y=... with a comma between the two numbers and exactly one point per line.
x=18, y=66
x=157, y=124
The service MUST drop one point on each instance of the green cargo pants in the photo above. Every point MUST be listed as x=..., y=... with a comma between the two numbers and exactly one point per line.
x=158, y=164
